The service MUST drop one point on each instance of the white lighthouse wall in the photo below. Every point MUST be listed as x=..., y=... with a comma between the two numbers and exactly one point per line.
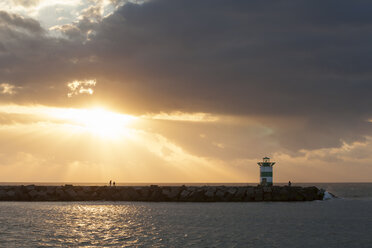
x=266, y=169
x=268, y=179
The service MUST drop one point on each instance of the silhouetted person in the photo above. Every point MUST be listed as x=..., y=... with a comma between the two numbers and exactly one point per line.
x=114, y=183
x=289, y=183
x=110, y=183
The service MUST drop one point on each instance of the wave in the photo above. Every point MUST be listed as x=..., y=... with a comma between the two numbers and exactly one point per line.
x=328, y=196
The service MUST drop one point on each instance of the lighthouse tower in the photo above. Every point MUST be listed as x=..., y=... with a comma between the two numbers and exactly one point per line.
x=266, y=172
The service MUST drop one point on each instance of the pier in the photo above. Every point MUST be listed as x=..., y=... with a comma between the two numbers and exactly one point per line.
x=156, y=193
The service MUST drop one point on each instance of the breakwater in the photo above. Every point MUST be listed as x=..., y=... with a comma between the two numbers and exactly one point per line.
x=156, y=193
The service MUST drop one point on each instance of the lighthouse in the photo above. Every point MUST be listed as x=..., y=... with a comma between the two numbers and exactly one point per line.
x=266, y=172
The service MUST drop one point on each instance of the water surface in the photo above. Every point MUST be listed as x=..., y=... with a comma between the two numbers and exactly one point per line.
x=338, y=223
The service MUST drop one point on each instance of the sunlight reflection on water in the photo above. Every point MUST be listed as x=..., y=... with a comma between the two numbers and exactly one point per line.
x=333, y=223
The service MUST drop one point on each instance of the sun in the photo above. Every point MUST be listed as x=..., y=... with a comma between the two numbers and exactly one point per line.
x=97, y=121
x=104, y=123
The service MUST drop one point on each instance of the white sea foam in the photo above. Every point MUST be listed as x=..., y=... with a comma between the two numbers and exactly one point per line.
x=327, y=196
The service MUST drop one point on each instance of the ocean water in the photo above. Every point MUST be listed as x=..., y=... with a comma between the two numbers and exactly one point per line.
x=341, y=222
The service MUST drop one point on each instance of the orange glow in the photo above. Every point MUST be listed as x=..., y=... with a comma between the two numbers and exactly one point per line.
x=97, y=120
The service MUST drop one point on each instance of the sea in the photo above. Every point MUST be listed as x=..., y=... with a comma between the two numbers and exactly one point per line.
x=345, y=221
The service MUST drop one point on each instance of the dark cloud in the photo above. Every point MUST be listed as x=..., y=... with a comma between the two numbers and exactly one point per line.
x=275, y=60
x=243, y=57
x=17, y=21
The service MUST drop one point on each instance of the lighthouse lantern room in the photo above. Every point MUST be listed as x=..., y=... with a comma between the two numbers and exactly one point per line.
x=266, y=172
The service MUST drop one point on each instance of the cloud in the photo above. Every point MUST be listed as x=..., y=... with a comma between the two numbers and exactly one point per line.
x=26, y=3
x=17, y=21
x=83, y=28
x=81, y=87
x=7, y=89
x=179, y=116
x=299, y=68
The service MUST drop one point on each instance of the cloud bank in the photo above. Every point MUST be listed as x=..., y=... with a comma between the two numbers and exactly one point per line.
x=294, y=75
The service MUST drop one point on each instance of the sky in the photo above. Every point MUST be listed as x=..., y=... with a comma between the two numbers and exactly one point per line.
x=185, y=91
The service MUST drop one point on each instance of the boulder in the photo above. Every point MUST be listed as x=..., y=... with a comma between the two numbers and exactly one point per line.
x=11, y=195
x=103, y=193
x=284, y=195
x=144, y=193
x=82, y=195
x=171, y=193
x=33, y=194
x=78, y=188
x=123, y=195
x=94, y=196
x=70, y=192
x=220, y=194
x=240, y=194
x=18, y=194
x=3, y=195
x=51, y=190
x=132, y=194
x=61, y=195
x=42, y=196
x=209, y=193
x=294, y=194
x=250, y=193
x=267, y=189
x=156, y=195
x=184, y=194
x=267, y=196
x=299, y=196
x=116, y=196
x=258, y=194
x=87, y=189
x=175, y=192
x=30, y=187
x=230, y=193
x=197, y=195
x=275, y=195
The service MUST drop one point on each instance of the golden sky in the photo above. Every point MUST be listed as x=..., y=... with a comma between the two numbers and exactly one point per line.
x=167, y=91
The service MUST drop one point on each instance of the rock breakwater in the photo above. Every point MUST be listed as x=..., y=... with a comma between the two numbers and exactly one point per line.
x=156, y=193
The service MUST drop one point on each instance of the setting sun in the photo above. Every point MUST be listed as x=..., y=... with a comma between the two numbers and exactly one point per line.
x=98, y=121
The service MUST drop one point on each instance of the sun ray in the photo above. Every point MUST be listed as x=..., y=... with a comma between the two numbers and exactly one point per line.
x=97, y=121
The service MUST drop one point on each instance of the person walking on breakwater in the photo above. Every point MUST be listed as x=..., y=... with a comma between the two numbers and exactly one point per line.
x=110, y=183
x=113, y=183
x=289, y=183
